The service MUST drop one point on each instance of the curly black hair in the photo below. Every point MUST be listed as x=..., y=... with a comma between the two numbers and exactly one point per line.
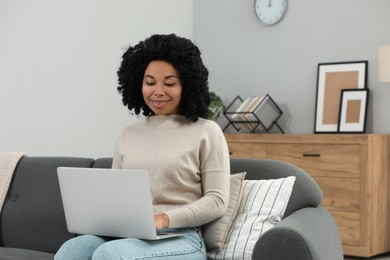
x=184, y=56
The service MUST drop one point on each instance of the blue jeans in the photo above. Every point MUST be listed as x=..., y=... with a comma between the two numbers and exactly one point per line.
x=190, y=246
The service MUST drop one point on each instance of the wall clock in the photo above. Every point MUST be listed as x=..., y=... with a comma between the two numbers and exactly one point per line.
x=270, y=12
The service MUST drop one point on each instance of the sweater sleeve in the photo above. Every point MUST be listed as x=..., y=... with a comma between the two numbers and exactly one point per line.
x=117, y=159
x=215, y=180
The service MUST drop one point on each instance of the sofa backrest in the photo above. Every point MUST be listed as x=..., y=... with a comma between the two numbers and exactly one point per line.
x=306, y=192
x=32, y=216
x=103, y=163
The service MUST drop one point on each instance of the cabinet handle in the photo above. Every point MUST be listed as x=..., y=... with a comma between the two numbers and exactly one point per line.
x=311, y=155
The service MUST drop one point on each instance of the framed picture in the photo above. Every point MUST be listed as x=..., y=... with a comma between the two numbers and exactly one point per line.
x=353, y=110
x=331, y=79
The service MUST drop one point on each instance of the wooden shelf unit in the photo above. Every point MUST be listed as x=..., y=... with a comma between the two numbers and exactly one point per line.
x=351, y=169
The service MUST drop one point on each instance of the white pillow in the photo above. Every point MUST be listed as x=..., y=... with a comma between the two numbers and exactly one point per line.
x=216, y=232
x=262, y=206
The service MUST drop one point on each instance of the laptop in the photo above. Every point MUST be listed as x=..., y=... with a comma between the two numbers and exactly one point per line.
x=108, y=202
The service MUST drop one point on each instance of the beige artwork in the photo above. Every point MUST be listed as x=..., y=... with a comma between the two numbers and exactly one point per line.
x=334, y=83
x=353, y=111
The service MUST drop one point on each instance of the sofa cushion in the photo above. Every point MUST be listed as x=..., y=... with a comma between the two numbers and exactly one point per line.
x=262, y=206
x=7, y=253
x=215, y=233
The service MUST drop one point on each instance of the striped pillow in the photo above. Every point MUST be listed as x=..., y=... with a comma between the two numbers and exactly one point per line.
x=262, y=206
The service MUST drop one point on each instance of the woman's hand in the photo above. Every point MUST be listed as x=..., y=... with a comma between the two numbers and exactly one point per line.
x=161, y=221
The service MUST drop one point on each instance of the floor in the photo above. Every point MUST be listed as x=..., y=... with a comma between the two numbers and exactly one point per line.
x=379, y=257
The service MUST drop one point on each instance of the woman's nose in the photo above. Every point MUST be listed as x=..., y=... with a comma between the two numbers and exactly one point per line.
x=159, y=90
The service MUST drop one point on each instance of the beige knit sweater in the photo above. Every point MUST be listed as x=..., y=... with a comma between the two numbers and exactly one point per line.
x=188, y=166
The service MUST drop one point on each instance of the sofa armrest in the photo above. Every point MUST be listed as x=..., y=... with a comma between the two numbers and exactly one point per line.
x=307, y=234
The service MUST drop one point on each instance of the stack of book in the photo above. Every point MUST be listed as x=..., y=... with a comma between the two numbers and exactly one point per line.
x=256, y=113
x=245, y=114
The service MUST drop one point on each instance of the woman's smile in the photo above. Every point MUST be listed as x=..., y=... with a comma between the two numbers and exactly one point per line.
x=159, y=103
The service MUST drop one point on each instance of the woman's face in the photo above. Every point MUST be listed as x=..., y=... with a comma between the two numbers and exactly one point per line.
x=161, y=88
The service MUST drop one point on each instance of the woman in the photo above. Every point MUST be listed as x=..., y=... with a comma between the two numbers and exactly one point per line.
x=185, y=155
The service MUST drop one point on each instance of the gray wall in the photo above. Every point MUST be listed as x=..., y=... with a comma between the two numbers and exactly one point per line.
x=248, y=58
x=58, y=63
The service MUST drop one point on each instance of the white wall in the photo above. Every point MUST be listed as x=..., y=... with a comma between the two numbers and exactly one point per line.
x=58, y=63
x=247, y=58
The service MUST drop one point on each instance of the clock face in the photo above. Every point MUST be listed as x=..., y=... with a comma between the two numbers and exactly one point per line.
x=270, y=11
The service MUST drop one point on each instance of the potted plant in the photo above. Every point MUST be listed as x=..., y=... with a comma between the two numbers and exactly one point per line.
x=216, y=107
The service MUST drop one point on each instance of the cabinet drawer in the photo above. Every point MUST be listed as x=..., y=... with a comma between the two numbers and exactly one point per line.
x=247, y=150
x=340, y=193
x=320, y=159
x=348, y=224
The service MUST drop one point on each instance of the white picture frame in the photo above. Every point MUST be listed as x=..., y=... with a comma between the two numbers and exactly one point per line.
x=331, y=79
x=353, y=111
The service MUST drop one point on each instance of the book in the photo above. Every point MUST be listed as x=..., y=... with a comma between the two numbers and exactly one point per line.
x=237, y=116
x=249, y=116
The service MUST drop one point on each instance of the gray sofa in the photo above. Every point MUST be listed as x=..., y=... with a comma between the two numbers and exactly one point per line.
x=33, y=227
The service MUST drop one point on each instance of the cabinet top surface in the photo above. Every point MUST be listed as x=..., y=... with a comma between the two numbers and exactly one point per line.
x=305, y=138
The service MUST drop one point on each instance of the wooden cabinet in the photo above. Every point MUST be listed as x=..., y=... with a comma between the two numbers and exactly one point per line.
x=352, y=171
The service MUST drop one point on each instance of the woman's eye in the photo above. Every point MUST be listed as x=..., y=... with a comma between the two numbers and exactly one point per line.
x=149, y=83
x=170, y=84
